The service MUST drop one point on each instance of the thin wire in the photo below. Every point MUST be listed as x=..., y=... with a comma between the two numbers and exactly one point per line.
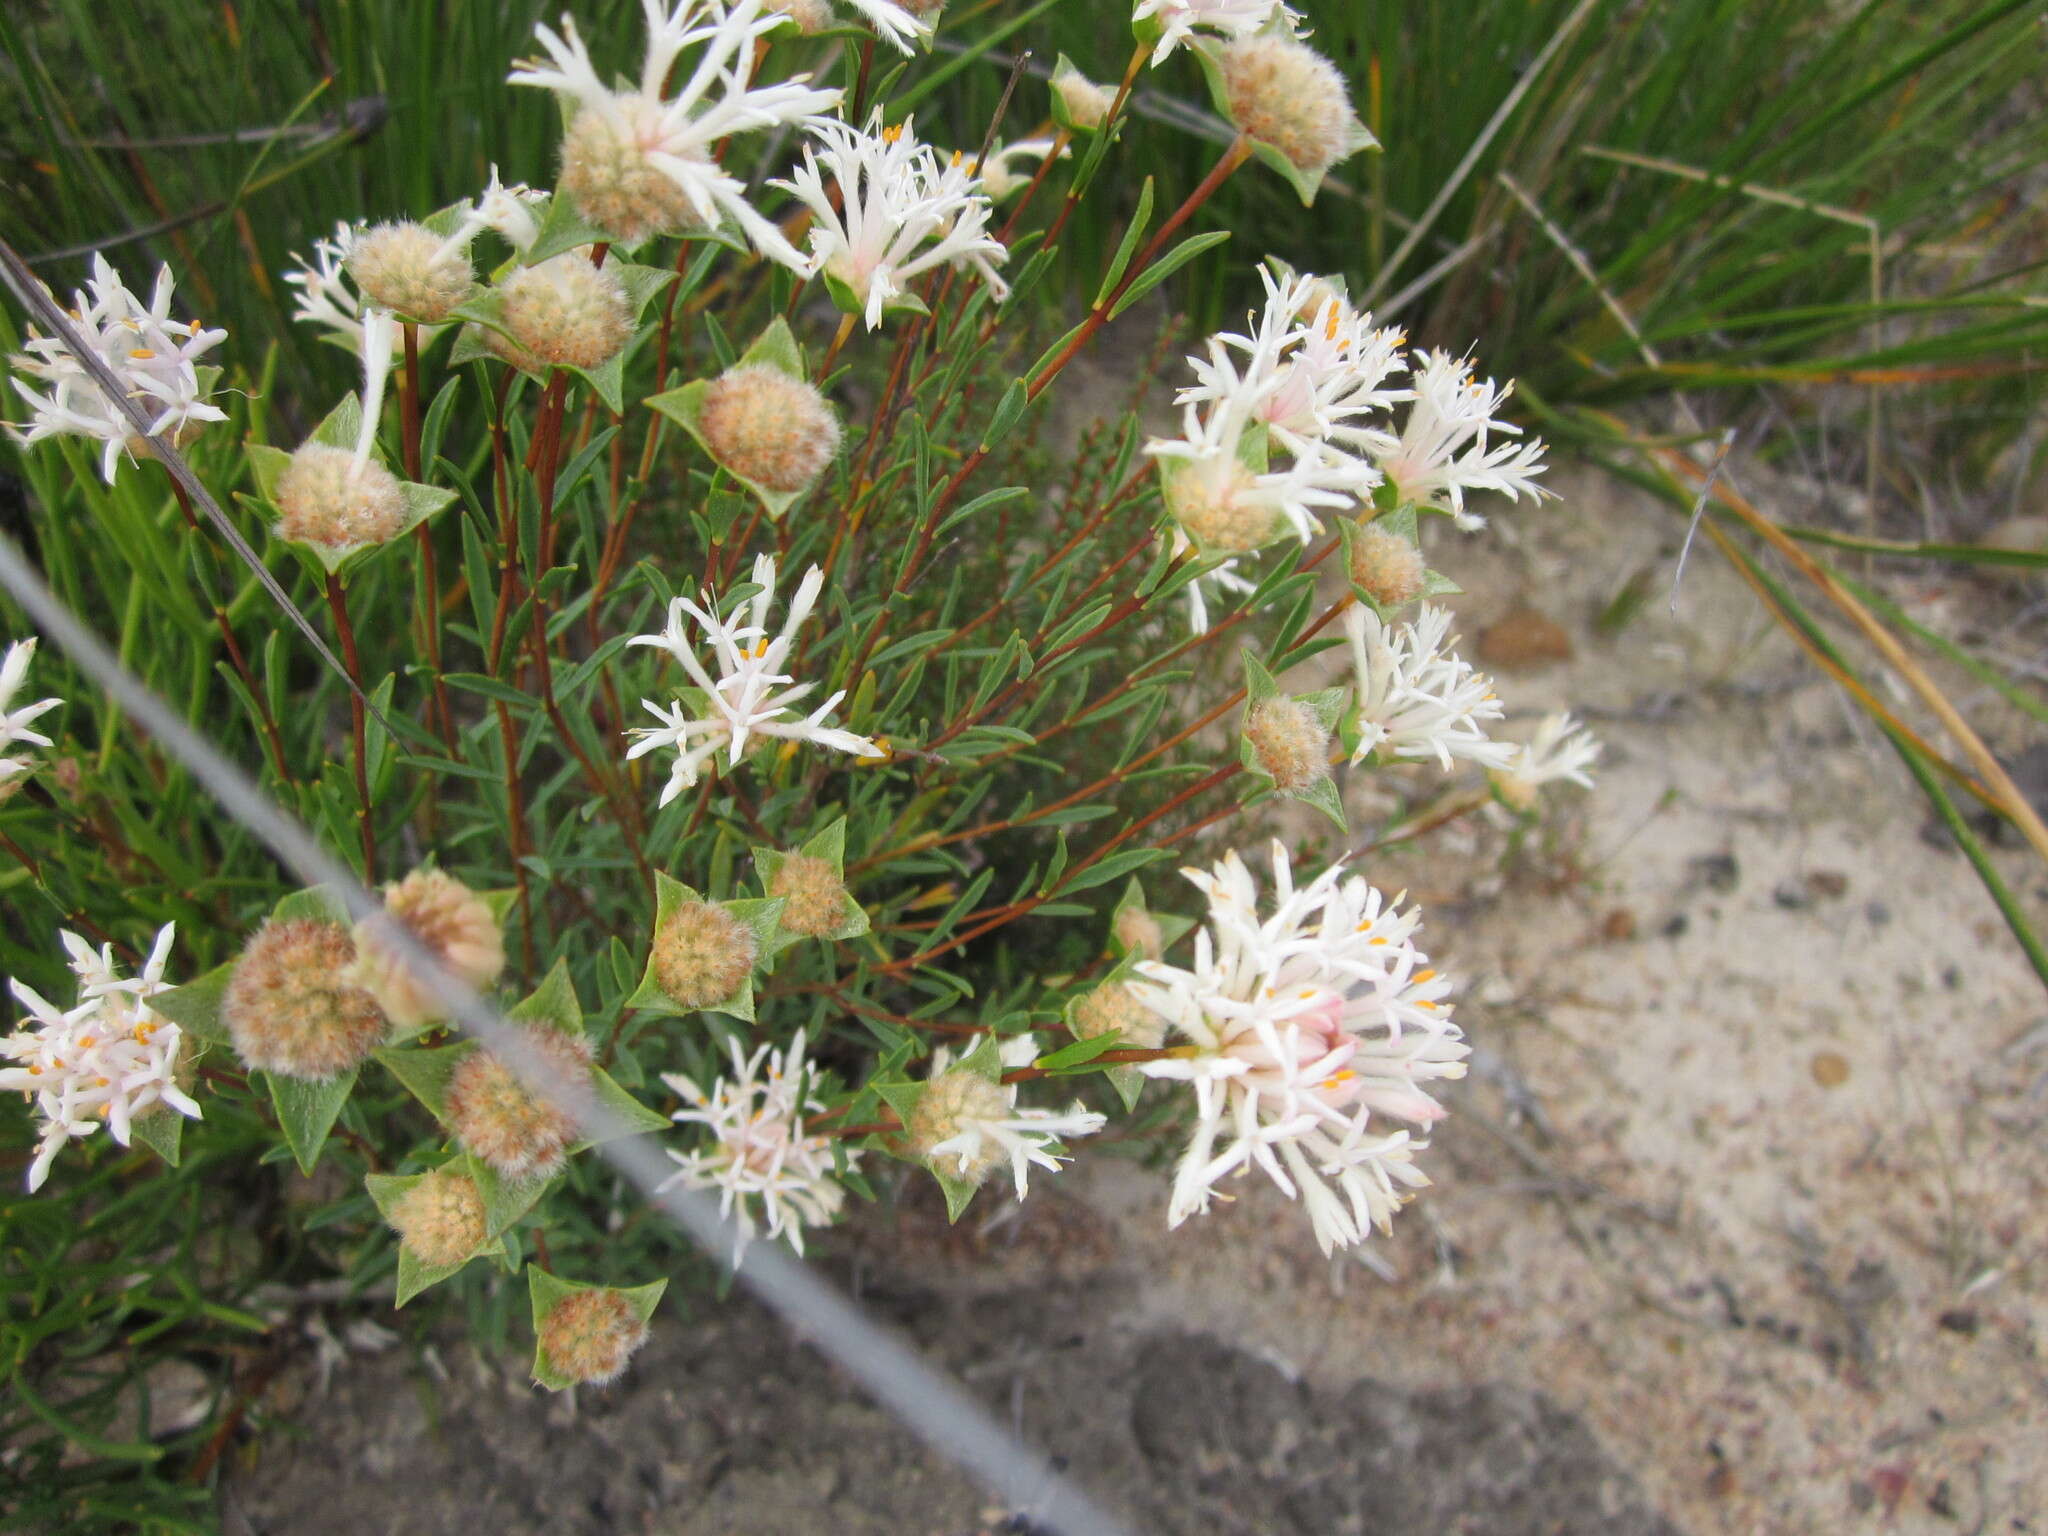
x=934, y=1407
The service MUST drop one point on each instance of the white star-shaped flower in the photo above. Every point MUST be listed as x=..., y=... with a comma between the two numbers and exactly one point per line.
x=1416, y=697
x=625, y=146
x=745, y=701
x=14, y=723
x=1444, y=450
x=899, y=212
x=1305, y=1024
x=153, y=356
x=760, y=1154
x=105, y=1061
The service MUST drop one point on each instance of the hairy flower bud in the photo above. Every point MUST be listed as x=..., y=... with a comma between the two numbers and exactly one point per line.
x=1086, y=103
x=702, y=954
x=1386, y=566
x=328, y=496
x=451, y=922
x=608, y=179
x=1291, y=745
x=588, y=1336
x=810, y=16
x=1139, y=932
x=409, y=269
x=1113, y=1008
x=440, y=1220
x=814, y=895
x=951, y=1101
x=768, y=428
x=1285, y=94
x=290, y=1007
x=564, y=312
x=518, y=1133
x=1222, y=519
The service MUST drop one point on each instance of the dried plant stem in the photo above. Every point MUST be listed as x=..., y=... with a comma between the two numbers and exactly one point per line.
x=2007, y=796
x=359, y=754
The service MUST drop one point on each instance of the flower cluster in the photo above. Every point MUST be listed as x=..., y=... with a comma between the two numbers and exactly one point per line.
x=107, y=1061
x=1305, y=1024
x=1180, y=22
x=1296, y=382
x=14, y=723
x=1561, y=751
x=1311, y=376
x=640, y=162
x=152, y=356
x=1446, y=446
x=771, y=1172
x=893, y=211
x=968, y=1123
x=1416, y=697
x=741, y=703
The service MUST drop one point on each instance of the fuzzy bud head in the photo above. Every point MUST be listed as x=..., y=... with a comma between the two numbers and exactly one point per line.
x=607, y=177
x=953, y=1099
x=1291, y=745
x=1283, y=93
x=406, y=268
x=1516, y=792
x=290, y=1007
x=814, y=897
x=588, y=1336
x=1139, y=932
x=1087, y=104
x=451, y=922
x=328, y=496
x=810, y=16
x=518, y=1133
x=1220, y=516
x=440, y=1220
x=1114, y=1008
x=768, y=428
x=1386, y=566
x=564, y=312
x=702, y=954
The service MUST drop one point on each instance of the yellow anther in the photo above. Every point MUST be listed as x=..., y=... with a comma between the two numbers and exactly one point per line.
x=892, y=133
x=141, y=354
x=1424, y=975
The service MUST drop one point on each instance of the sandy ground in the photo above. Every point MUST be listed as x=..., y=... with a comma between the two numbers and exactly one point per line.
x=1738, y=1222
